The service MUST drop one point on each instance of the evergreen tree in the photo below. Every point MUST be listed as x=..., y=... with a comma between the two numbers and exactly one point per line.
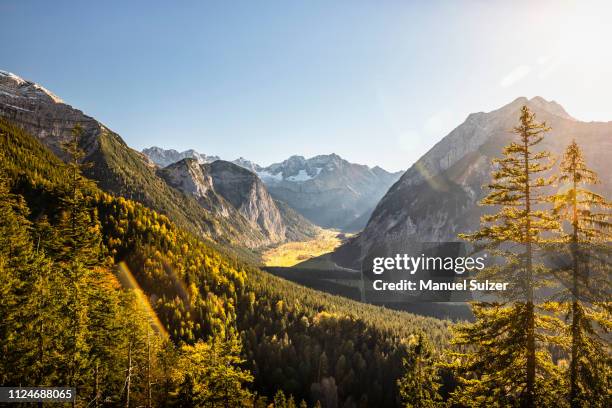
x=78, y=252
x=419, y=385
x=16, y=259
x=42, y=311
x=280, y=401
x=509, y=363
x=209, y=374
x=588, y=310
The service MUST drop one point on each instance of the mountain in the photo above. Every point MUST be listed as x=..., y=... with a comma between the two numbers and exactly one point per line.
x=234, y=192
x=247, y=164
x=248, y=194
x=163, y=157
x=114, y=166
x=326, y=189
x=437, y=198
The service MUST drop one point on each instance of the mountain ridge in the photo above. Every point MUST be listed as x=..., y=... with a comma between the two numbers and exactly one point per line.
x=116, y=167
x=326, y=189
x=437, y=197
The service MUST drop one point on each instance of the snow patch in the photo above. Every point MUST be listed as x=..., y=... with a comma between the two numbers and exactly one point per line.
x=301, y=176
x=267, y=177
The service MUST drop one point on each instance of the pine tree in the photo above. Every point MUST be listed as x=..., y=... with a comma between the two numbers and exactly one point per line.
x=43, y=310
x=588, y=214
x=78, y=252
x=280, y=401
x=419, y=385
x=510, y=363
x=15, y=263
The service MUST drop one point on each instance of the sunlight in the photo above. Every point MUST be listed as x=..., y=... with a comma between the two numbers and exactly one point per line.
x=128, y=280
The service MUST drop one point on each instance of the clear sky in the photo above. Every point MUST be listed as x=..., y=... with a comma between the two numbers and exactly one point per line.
x=377, y=82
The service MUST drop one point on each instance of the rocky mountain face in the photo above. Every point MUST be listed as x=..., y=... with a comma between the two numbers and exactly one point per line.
x=43, y=114
x=326, y=189
x=231, y=191
x=248, y=194
x=119, y=169
x=188, y=177
x=437, y=198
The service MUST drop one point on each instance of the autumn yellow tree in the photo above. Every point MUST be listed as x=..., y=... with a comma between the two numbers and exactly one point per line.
x=586, y=304
x=508, y=362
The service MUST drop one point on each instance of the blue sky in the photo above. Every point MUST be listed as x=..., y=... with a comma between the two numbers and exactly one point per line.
x=377, y=82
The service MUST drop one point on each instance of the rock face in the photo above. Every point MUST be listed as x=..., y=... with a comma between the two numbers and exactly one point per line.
x=232, y=191
x=43, y=114
x=327, y=190
x=188, y=177
x=437, y=198
x=245, y=191
x=117, y=168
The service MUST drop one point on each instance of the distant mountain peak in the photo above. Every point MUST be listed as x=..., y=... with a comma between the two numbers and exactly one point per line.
x=165, y=157
x=14, y=85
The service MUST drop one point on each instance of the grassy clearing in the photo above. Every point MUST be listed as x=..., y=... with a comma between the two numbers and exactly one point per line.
x=292, y=253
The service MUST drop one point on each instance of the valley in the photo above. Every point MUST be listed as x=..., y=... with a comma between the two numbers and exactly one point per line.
x=296, y=252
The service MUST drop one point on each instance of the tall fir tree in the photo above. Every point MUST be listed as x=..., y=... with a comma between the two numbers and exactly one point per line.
x=507, y=362
x=16, y=262
x=419, y=385
x=586, y=305
x=78, y=252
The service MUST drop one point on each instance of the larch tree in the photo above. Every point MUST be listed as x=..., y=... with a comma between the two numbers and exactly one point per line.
x=586, y=237
x=507, y=362
x=418, y=387
x=209, y=374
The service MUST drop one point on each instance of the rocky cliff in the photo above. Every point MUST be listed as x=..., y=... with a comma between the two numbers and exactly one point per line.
x=234, y=192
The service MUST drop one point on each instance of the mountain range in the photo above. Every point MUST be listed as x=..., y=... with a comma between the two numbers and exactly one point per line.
x=243, y=204
x=123, y=171
x=437, y=198
x=326, y=189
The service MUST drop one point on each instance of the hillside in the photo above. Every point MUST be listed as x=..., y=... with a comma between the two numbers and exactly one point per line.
x=234, y=192
x=114, y=165
x=195, y=291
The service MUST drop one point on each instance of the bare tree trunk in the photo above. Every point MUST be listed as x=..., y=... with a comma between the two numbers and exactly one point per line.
x=148, y=367
x=97, y=387
x=529, y=399
x=576, y=312
x=129, y=376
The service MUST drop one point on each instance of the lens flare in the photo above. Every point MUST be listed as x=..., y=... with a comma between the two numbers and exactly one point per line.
x=128, y=281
